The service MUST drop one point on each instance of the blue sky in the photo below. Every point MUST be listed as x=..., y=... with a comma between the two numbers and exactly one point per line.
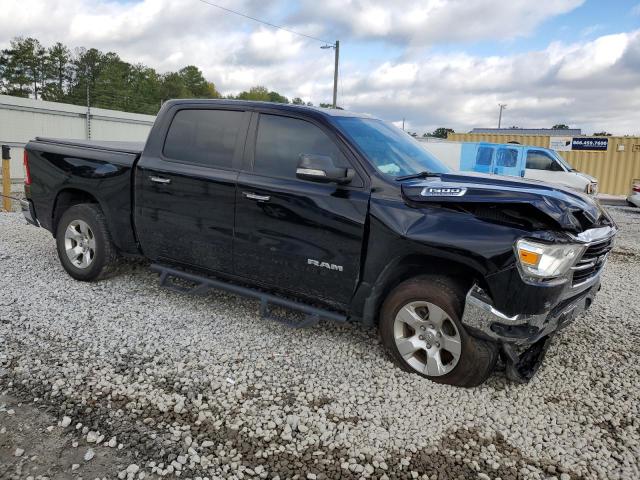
x=432, y=62
x=592, y=19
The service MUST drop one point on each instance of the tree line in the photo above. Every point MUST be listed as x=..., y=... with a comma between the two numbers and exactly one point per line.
x=56, y=73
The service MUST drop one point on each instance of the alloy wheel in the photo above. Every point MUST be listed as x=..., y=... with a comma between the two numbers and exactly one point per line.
x=427, y=338
x=80, y=244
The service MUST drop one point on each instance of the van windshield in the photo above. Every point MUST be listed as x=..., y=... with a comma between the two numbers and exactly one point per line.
x=391, y=150
x=562, y=161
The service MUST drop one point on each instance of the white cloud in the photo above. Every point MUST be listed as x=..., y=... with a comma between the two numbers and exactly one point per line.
x=593, y=84
x=429, y=21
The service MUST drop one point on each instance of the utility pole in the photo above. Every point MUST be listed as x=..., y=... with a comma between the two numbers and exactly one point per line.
x=502, y=107
x=336, y=48
x=88, y=123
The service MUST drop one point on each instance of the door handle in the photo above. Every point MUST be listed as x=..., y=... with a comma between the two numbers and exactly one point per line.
x=255, y=196
x=160, y=180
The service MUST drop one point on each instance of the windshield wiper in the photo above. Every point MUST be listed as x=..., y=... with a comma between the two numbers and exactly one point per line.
x=423, y=174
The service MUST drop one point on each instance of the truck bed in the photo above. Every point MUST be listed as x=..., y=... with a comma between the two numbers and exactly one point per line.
x=110, y=146
x=65, y=170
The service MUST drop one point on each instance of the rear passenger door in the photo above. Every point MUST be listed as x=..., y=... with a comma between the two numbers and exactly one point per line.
x=295, y=235
x=185, y=189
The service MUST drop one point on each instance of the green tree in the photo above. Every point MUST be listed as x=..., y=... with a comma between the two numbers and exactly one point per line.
x=172, y=86
x=24, y=67
x=560, y=126
x=297, y=101
x=258, y=93
x=442, y=132
x=277, y=98
x=86, y=68
x=57, y=72
x=144, y=86
x=196, y=84
x=601, y=134
x=111, y=86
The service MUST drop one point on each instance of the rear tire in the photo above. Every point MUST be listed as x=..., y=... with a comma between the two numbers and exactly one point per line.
x=421, y=317
x=84, y=244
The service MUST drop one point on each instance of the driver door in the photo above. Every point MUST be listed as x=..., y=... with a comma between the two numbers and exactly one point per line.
x=295, y=235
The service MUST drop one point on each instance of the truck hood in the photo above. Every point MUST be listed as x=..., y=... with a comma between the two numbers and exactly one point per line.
x=570, y=210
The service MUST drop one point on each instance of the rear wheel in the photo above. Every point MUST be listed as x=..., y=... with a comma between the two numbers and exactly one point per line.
x=421, y=329
x=84, y=245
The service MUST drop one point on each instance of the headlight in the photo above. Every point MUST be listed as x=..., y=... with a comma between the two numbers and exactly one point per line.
x=592, y=188
x=545, y=261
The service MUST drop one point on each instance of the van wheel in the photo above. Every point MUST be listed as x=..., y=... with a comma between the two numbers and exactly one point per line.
x=420, y=328
x=84, y=244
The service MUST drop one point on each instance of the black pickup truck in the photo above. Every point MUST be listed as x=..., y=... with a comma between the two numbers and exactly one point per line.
x=336, y=215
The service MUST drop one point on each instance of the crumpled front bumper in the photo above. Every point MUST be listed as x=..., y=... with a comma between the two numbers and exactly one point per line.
x=524, y=339
x=523, y=330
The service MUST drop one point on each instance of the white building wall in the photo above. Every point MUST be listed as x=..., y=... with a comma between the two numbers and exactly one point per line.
x=22, y=119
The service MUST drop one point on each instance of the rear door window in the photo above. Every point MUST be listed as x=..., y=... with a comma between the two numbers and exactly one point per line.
x=203, y=137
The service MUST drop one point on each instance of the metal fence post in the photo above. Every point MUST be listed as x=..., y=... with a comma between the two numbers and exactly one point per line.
x=6, y=178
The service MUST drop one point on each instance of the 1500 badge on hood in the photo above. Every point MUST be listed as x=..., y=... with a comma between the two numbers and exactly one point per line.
x=443, y=191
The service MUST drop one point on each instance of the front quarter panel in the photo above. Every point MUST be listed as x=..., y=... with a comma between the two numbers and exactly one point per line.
x=445, y=242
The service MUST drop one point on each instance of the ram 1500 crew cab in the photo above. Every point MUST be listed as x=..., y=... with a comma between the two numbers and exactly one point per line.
x=335, y=214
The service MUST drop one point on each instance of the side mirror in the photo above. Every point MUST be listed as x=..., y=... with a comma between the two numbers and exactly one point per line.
x=320, y=168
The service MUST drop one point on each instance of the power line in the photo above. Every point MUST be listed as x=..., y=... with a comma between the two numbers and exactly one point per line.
x=264, y=22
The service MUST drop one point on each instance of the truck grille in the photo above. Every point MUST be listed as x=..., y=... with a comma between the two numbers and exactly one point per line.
x=591, y=261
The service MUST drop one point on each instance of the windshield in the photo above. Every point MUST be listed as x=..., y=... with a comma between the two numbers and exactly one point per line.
x=562, y=161
x=391, y=150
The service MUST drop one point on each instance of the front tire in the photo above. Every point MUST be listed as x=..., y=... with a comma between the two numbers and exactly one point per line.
x=420, y=328
x=84, y=244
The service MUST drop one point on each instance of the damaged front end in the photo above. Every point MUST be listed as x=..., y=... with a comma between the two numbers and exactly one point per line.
x=555, y=265
x=524, y=339
x=526, y=202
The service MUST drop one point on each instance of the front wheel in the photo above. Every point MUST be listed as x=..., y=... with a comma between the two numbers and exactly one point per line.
x=84, y=245
x=421, y=329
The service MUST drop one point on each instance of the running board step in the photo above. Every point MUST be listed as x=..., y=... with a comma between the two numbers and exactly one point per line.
x=267, y=301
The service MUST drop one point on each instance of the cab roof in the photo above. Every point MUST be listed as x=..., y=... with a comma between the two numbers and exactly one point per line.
x=328, y=112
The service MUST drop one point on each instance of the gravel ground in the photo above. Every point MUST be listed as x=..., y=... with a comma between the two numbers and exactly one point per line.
x=203, y=388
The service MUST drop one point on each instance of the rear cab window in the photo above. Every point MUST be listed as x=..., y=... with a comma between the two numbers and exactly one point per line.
x=204, y=137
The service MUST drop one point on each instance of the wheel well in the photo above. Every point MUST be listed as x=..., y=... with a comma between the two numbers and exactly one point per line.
x=415, y=265
x=66, y=199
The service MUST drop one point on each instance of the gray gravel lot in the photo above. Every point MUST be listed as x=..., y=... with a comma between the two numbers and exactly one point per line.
x=203, y=388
